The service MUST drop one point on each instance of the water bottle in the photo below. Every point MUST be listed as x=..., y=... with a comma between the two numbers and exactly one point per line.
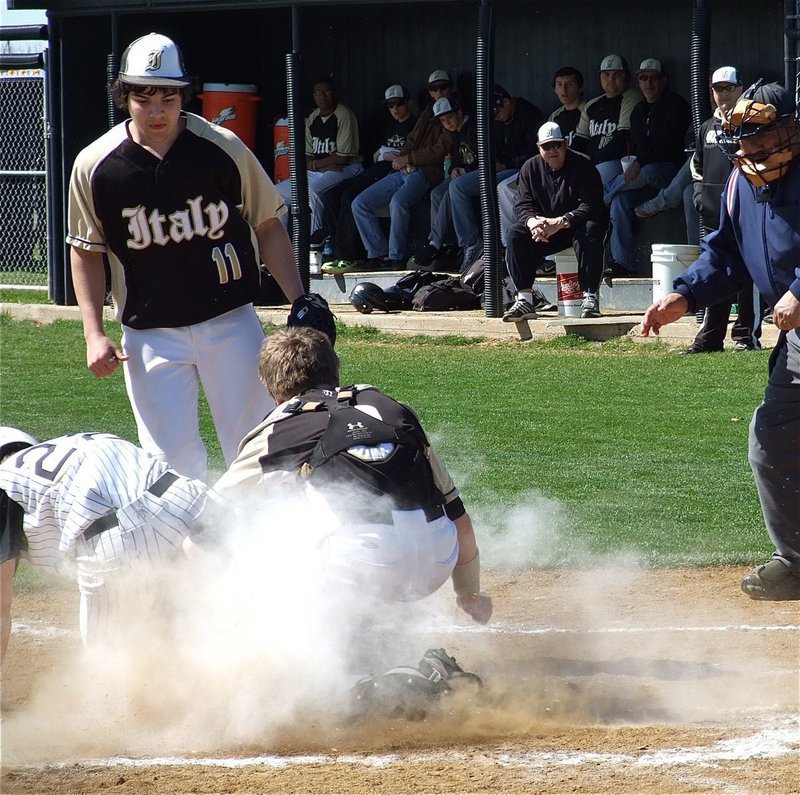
x=448, y=165
x=327, y=250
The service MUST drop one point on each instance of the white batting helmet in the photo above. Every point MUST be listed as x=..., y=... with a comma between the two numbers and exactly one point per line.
x=153, y=60
x=13, y=440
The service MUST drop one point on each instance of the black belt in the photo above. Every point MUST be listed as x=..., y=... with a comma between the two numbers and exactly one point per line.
x=110, y=520
x=434, y=513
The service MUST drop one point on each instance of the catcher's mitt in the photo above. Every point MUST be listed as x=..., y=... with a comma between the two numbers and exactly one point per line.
x=409, y=693
x=312, y=310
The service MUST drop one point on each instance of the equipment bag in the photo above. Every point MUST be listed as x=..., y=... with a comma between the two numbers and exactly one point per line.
x=444, y=295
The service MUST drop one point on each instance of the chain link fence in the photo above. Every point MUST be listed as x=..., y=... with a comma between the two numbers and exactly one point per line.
x=23, y=191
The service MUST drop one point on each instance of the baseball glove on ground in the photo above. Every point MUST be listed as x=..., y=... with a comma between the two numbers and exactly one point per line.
x=311, y=310
x=410, y=693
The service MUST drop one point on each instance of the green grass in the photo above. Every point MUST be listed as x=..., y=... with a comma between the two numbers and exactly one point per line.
x=17, y=296
x=565, y=450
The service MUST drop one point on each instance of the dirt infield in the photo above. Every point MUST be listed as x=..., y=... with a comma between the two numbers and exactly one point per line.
x=610, y=680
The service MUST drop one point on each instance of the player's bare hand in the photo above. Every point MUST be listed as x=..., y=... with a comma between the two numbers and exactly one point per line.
x=786, y=312
x=669, y=309
x=103, y=357
x=632, y=173
x=477, y=606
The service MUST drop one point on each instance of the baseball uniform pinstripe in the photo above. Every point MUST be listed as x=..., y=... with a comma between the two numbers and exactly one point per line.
x=96, y=506
x=179, y=236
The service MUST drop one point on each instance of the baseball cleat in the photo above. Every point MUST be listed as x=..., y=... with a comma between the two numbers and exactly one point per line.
x=773, y=582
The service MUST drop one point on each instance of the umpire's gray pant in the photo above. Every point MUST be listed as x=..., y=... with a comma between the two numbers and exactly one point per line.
x=775, y=450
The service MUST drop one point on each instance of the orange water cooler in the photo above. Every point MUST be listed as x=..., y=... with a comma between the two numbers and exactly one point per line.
x=232, y=105
x=281, y=143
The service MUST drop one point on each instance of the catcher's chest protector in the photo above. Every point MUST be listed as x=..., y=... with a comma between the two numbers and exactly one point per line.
x=405, y=475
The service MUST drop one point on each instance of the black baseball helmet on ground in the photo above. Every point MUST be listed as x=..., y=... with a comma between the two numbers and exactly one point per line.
x=367, y=296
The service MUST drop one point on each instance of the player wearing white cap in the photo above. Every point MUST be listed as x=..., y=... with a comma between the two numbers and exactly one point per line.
x=185, y=215
x=604, y=128
x=95, y=506
x=346, y=245
x=417, y=168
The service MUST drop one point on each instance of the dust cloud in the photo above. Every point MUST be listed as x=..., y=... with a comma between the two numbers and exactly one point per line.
x=236, y=645
x=254, y=647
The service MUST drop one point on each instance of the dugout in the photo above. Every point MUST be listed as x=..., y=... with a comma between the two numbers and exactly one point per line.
x=276, y=45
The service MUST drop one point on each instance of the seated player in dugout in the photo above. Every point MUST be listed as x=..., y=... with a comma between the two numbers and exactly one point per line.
x=367, y=457
x=332, y=149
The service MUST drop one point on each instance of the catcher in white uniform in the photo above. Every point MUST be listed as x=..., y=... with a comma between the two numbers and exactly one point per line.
x=185, y=214
x=95, y=506
x=394, y=524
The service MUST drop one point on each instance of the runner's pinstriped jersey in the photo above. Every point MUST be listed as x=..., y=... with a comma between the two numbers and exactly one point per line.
x=99, y=508
x=66, y=484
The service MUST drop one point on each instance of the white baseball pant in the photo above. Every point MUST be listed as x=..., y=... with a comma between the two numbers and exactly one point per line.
x=117, y=568
x=163, y=375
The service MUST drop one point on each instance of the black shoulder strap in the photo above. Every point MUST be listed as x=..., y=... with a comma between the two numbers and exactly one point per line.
x=347, y=427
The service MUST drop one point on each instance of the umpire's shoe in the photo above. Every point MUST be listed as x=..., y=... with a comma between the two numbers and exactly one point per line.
x=774, y=582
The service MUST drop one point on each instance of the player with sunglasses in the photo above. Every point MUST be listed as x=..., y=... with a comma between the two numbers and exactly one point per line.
x=417, y=168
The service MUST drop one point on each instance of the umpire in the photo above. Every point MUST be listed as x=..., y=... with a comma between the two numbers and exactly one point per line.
x=758, y=238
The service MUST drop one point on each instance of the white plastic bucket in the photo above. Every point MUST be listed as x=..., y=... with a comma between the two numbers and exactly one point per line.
x=568, y=286
x=669, y=261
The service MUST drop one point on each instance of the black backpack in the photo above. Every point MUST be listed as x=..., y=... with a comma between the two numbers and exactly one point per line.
x=445, y=294
x=406, y=287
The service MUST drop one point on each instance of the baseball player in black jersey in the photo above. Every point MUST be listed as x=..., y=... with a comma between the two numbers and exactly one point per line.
x=390, y=503
x=94, y=506
x=185, y=214
x=332, y=149
x=604, y=129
